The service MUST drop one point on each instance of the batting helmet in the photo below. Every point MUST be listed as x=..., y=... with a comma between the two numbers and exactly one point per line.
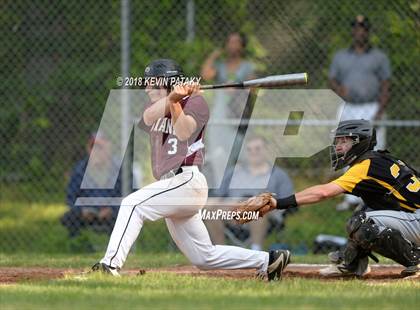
x=166, y=68
x=364, y=139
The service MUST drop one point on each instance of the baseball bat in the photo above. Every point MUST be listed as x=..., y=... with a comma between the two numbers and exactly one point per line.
x=266, y=82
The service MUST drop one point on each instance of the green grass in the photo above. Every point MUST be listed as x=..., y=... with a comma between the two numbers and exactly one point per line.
x=35, y=227
x=163, y=291
x=171, y=291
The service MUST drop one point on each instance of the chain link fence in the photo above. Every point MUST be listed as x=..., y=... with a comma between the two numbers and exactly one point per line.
x=62, y=58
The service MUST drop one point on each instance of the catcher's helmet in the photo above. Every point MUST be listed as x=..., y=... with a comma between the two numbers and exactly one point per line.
x=364, y=139
x=167, y=68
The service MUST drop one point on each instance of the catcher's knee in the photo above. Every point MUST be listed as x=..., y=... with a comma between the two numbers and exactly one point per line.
x=392, y=244
x=368, y=236
x=362, y=230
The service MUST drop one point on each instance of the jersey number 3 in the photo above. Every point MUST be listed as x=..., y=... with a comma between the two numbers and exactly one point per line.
x=174, y=146
x=414, y=186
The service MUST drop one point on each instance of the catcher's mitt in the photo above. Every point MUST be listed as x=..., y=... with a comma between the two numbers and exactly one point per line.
x=262, y=203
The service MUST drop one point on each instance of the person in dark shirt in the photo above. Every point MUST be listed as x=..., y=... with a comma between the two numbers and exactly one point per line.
x=93, y=185
x=360, y=75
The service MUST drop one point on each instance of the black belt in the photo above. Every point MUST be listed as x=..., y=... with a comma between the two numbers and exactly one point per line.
x=172, y=173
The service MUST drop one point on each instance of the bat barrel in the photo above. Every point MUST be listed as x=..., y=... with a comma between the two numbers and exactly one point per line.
x=271, y=81
x=279, y=80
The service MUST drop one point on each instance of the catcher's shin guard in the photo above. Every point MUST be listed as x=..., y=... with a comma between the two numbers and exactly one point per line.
x=366, y=235
x=390, y=243
x=355, y=259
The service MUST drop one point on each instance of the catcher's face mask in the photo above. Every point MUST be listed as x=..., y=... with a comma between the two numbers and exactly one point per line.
x=340, y=151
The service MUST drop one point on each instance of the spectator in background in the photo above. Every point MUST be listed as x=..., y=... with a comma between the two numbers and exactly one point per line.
x=222, y=66
x=247, y=184
x=360, y=75
x=233, y=67
x=95, y=185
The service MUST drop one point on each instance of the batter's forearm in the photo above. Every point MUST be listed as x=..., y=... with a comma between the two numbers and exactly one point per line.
x=157, y=110
x=182, y=129
x=183, y=125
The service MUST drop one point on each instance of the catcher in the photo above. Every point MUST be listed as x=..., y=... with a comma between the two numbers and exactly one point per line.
x=389, y=223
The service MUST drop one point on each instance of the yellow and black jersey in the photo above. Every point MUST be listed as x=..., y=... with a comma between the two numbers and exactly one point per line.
x=383, y=182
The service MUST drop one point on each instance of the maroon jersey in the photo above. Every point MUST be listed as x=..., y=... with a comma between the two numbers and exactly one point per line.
x=168, y=152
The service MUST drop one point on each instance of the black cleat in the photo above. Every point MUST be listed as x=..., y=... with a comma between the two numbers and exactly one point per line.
x=278, y=260
x=411, y=271
x=101, y=267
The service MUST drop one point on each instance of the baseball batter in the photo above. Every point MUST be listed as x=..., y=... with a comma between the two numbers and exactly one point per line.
x=175, y=120
x=389, y=224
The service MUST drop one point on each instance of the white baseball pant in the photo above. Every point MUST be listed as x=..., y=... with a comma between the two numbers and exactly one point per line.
x=178, y=200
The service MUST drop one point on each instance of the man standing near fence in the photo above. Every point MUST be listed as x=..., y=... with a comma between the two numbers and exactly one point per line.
x=360, y=75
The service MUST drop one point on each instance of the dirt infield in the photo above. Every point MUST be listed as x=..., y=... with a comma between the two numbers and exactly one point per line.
x=9, y=275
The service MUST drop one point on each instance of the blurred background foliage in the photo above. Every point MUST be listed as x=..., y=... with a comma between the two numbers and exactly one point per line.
x=61, y=58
